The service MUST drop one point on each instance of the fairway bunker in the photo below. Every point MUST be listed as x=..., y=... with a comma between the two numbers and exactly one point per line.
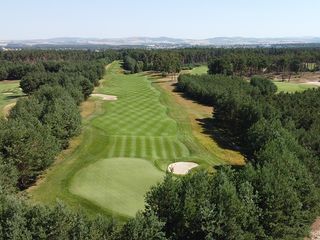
x=181, y=168
x=105, y=97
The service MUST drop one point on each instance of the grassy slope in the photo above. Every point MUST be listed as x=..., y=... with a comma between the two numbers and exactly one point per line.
x=292, y=87
x=125, y=147
x=9, y=92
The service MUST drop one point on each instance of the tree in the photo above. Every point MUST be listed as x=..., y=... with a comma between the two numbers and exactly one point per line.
x=28, y=146
x=220, y=66
x=265, y=86
x=143, y=226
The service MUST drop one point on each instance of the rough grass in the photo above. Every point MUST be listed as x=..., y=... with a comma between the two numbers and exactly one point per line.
x=125, y=147
x=9, y=92
x=288, y=87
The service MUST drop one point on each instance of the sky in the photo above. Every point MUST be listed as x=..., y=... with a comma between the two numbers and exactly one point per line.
x=196, y=19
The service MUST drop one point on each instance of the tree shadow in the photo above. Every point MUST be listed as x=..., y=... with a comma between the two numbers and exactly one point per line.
x=226, y=136
x=11, y=97
x=219, y=133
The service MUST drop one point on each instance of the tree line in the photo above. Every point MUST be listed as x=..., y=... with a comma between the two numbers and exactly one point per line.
x=275, y=196
x=40, y=125
x=236, y=61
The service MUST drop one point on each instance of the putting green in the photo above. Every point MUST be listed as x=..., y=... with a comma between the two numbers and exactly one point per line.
x=118, y=183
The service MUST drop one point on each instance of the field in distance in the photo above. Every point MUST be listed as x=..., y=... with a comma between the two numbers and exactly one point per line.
x=288, y=87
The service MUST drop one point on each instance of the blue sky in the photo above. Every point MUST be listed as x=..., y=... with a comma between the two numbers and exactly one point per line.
x=29, y=19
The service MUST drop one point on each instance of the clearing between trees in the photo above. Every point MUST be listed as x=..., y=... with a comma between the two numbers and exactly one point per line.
x=9, y=92
x=125, y=148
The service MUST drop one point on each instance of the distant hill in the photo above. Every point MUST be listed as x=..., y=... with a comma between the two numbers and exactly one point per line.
x=157, y=42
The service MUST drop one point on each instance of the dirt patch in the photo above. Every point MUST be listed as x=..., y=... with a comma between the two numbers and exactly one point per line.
x=105, y=97
x=303, y=77
x=181, y=168
x=315, y=230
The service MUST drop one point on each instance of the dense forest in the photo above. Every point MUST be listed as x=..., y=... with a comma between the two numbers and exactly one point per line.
x=275, y=196
x=279, y=187
x=224, y=61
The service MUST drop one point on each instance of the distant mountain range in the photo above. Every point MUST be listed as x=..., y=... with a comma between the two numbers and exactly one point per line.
x=157, y=42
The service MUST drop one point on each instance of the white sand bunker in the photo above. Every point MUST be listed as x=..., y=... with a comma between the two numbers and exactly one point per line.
x=105, y=97
x=313, y=83
x=181, y=168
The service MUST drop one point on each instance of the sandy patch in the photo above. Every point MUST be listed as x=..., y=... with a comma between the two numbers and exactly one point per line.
x=105, y=97
x=181, y=168
x=315, y=233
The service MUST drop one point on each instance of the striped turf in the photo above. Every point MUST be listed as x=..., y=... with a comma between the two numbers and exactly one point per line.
x=137, y=124
x=132, y=135
x=125, y=148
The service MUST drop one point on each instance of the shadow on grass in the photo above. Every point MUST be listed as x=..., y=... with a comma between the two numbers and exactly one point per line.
x=225, y=136
x=11, y=97
x=221, y=135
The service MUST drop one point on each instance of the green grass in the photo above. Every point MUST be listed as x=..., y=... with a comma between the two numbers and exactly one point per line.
x=9, y=92
x=292, y=87
x=119, y=183
x=282, y=86
x=200, y=70
x=125, y=148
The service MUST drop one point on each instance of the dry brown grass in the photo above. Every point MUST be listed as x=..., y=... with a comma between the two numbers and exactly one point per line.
x=6, y=110
x=87, y=108
x=302, y=77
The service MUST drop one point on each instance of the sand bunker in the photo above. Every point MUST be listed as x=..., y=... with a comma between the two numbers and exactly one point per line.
x=105, y=97
x=313, y=83
x=181, y=168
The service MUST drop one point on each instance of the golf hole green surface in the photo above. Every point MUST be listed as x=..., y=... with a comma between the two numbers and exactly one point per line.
x=119, y=183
